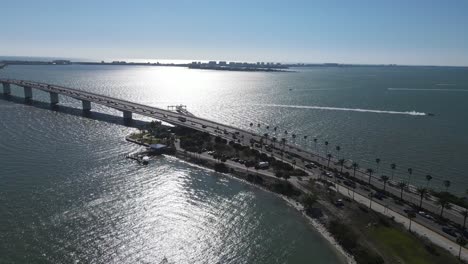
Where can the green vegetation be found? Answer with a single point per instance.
(198, 142)
(371, 237)
(221, 167)
(194, 141)
(154, 133)
(406, 247)
(285, 188)
(309, 200)
(348, 240)
(451, 198)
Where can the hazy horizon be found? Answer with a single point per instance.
(166, 60)
(357, 32)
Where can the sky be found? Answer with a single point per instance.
(413, 32)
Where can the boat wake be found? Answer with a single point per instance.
(428, 90)
(413, 113)
(446, 84)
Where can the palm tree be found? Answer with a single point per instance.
(338, 148)
(377, 160)
(411, 215)
(393, 167)
(428, 179)
(326, 147)
(370, 171)
(267, 137)
(410, 172)
(447, 185)
(422, 194)
(384, 179)
(402, 186)
(283, 141)
(315, 143)
(355, 166)
(251, 124)
(444, 203)
(341, 162)
(465, 215)
(461, 241)
(371, 196)
(329, 157)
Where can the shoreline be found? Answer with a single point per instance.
(317, 226)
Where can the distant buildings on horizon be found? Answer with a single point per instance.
(216, 65)
(234, 65)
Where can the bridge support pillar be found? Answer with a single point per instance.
(54, 98)
(27, 93)
(6, 89)
(86, 105)
(127, 115)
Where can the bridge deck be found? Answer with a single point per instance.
(123, 105)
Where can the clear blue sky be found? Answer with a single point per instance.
(346, 31)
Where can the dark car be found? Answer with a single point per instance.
(406, 210)
(379, 195)
(449, 231)
(339, 203)
(350, 184)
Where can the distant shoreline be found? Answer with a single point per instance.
(242, 67)
(236, 67)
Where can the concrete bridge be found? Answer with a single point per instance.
(127, 108)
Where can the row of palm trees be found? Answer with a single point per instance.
(369, 171)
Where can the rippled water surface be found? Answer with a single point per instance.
(68, 195)
(370, 112)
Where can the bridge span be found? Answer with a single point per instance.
(127, 108)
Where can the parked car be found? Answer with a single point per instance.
(339, 203)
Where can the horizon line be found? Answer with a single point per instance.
(43, 58)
